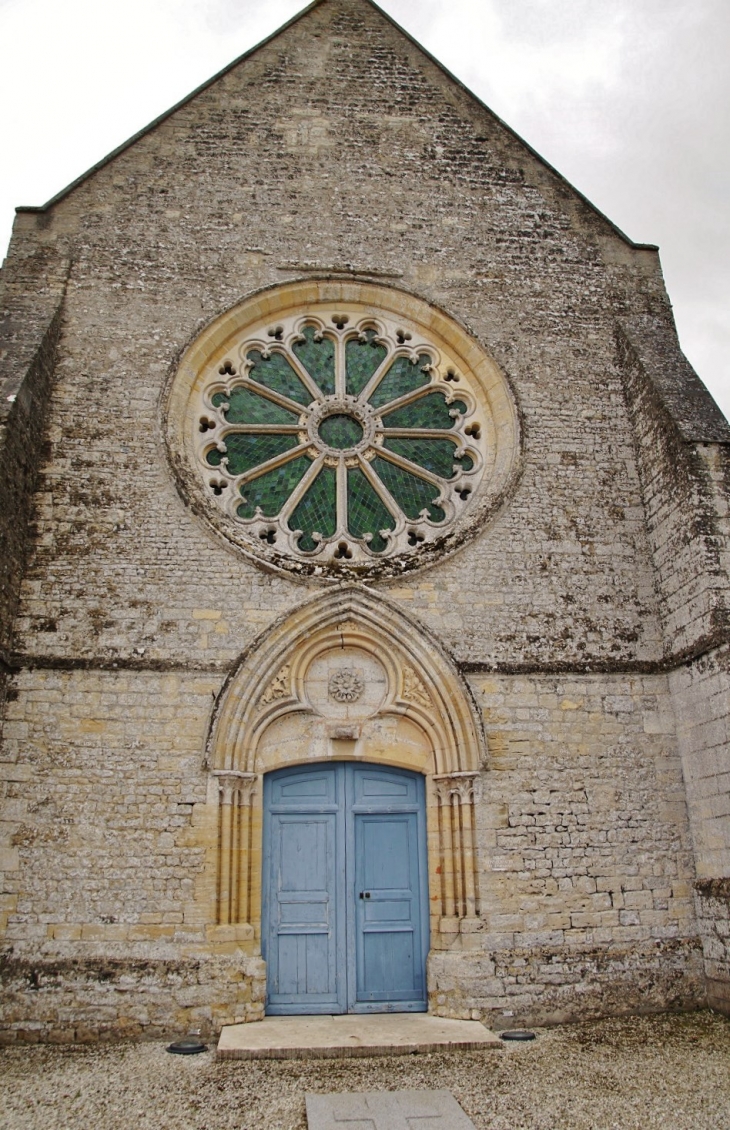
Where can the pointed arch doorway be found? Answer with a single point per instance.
(345, 890)
(345, 679)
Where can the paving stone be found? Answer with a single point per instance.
(387, 1110)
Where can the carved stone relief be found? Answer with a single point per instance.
(278, 687)
(345, 685)
(414, 690)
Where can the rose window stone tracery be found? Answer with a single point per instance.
(331, 428)
(347, 441)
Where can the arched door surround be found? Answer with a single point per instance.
(348, 677)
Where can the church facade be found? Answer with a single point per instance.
(365, 605)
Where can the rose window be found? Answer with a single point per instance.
(332, 427)
(340, 441)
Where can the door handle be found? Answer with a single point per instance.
(364, 894)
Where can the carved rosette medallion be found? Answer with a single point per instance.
(345, 685)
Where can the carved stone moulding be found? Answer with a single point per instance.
(348, 675)
(341, 428)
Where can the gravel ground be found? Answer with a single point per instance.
(669, 1072)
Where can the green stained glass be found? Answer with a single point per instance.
(366, 512)
(270, 491)
(340, 431)
(318, 358)
(317, 511)
(410, 492)
(362, 358)
(435, 455)
(429, 411)
(403, 376)
(247, 451)
(247, 407)
(276, 373)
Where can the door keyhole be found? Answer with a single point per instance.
(364, 894)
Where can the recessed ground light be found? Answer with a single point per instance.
(517, 1034)
(189, 1045)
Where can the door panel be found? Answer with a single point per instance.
(387, 968)
(381, 786)
(389, 965)
(302, 936)
(331, 834)
(302, 894)
(303, 786)
(371, 786)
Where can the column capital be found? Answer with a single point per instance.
(464, 784)
(234, 786)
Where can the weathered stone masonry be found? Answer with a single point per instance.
(583, 628)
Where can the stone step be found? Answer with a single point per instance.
(321, 1037)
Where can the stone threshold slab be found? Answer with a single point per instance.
(322, 1037)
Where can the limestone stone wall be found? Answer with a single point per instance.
(104, 773)
(585, 862)
(109, 873)
(32, 284)
(249, 185)
(99, 994)
(587, 883)
(25, 390)
(585, 835)
(686, 490)
(702, 697)
(339, 151)
(713, 916)
(684, 472)
(701, 693)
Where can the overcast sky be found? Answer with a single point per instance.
(629, 99)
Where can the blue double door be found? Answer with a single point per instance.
(345, 895)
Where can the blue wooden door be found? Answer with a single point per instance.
(386, 843)
(303, 935)
(344, 924)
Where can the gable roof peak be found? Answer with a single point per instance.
(301, 17)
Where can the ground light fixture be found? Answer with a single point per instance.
(188, 1045)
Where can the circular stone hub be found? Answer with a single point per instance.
(340, 432)
(340, 426)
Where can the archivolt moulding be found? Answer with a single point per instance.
(408, 707)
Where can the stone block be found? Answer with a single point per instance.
(390, 1110)
(9, 859)
(65, 931)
